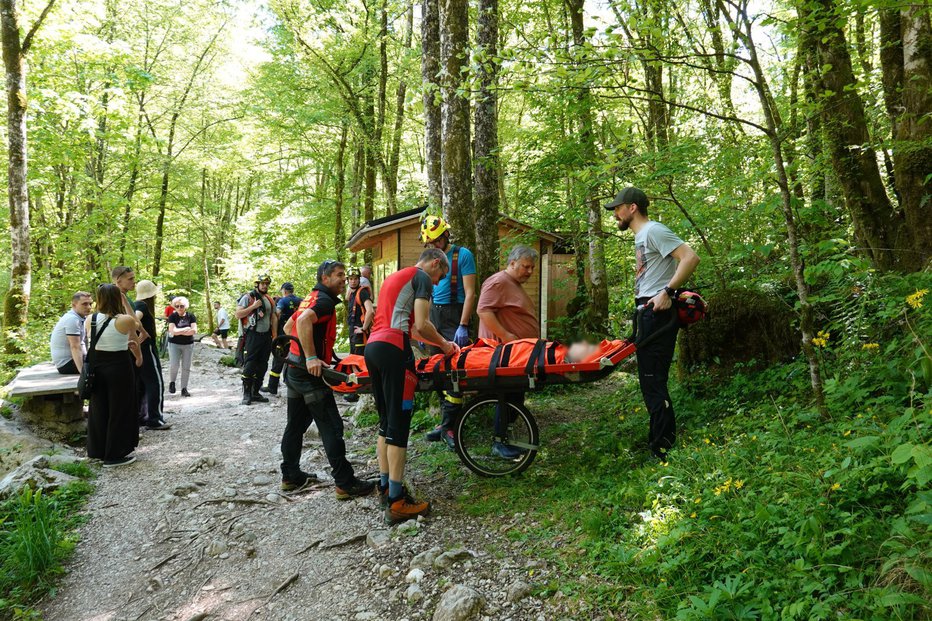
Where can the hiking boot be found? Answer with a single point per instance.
(247, 392)
(450, 439)
(269, 389)
(355, 489)
(436, 435)
(351, 397)
(185, 393)
(116, 463)
(383, 495)
(405, 508)
(158, 426)
(171, 387)
(257, 398)
(506, 451)
(299, 482)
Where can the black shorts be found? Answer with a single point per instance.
(393, 382)
(222, 333)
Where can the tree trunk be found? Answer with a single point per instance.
(912, 151)
(16, 302)
(430, 70)
(455, 168)
(131, 190)
(597, 313)
(205, 252)
(163, 198)
(339, 240)
(878, 228)
(773, 123)
(487, 159)
(391, 179)
(382, 104)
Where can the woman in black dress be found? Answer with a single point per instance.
(112, 427)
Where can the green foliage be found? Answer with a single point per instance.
(764, 510)
(38, 535)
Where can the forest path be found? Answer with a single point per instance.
(197, 526)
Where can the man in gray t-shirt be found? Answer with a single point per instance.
(68, 340)
(664, 262)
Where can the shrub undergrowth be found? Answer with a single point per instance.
(764, 510)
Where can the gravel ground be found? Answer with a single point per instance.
(197, 529)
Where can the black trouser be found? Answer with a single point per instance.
(653, 372)
(310, 400)
(275, 374)
(69, 368)
(446, 318)
(387, 367)
(153, 387)
(256, 356)
(357, 342)
(502, 422)
(112, 427)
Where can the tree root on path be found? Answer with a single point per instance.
(242, 501)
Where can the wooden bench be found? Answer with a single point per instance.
(50, 401)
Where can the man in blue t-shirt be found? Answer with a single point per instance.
(452, 307)
(285, 307)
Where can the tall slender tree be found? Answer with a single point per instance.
(487, 158)
(16, 302)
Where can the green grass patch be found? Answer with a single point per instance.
(228, 360)
(763, 511)
(38, 535)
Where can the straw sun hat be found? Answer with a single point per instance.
(146, 289)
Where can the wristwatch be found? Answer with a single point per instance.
(671, 292)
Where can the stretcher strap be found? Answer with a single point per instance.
(542, 361)
(461, 361)
(538, 355)
(506, 355)
(552, 352)
(494, 362)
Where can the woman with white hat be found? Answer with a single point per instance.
(152, 397)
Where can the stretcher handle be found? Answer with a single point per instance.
(281, 346)
(636, 338)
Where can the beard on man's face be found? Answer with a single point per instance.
(623, 225)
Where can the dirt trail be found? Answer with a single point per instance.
(197, 527)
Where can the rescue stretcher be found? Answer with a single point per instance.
(489, 372)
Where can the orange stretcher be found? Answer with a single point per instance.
(488, 366)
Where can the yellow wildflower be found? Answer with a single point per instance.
(847, 433)
(870, 346)
(915, 300)
(707, 441)
(693, 514)
(836, 486)
(697, 500)
(739, 484)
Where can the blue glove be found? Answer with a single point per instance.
(461, 337)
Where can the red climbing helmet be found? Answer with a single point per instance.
(690, 306)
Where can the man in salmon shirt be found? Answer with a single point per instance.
(402, 314)
(506, 313)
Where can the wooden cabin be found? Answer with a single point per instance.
(395, 242)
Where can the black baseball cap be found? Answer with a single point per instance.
(627, 196)
(287, 286)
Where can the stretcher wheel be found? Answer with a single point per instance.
(482, 425)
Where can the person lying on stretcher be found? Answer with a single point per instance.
(513, 354)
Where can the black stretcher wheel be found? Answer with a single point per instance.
(476, 432)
